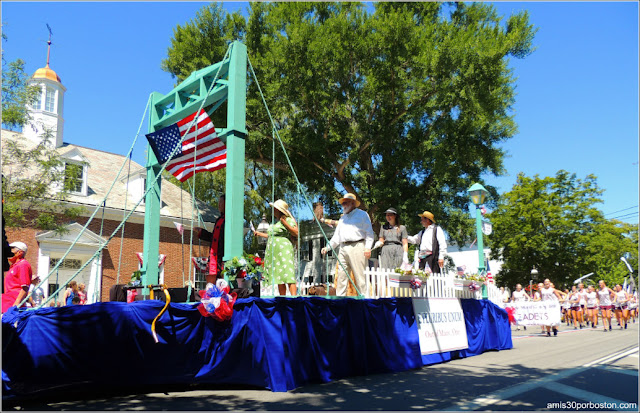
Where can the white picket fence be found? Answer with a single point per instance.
(384, 283)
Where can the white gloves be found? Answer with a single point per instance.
(405, 257)
(324, 250)
(378, 244)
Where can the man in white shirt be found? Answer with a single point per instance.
(354, 235)
(37, 294)
(432, 245)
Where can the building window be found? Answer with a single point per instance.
(323, 243)
(201, 270)
(52, 289)
(67, 263)
(74, 178)
(306, 250)
(50, 100)
(37, 104)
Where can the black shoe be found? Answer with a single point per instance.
(525, 327)
(625, 326)
(609, 328)
(555, 331)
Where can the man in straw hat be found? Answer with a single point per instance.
(354, 235)
(432, 245)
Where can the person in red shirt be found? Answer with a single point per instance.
(18, 278)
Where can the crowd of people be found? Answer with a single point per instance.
(355, 237)
(583, 307)
(19, 283)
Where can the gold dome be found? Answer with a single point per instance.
(46, 73)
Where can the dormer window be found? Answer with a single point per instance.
(75, 178)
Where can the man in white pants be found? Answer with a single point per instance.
(354, 235)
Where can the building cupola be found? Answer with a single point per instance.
(47, 111)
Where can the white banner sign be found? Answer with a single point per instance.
(536, 313)
(441, 325)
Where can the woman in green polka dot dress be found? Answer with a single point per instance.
(279, 263)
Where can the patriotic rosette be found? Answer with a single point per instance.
(216, 301)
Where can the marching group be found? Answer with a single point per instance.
(583, 307)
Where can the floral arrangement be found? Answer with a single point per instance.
(216, 302)
(419, 275)
(248, 267)
(474, 286)
(476, 277)
(136, 279)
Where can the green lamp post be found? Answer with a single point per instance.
(478, 194)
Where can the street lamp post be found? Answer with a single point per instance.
(534, 277)
(478, 193)
(263, 227)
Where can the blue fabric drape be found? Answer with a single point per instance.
(279, 343)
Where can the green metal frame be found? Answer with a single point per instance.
(185, 99)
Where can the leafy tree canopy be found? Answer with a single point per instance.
(404, 107)
(553, 224)
(28, 171)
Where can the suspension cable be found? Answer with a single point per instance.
(294, 172)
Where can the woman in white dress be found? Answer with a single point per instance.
(548, 293)
(519, 295)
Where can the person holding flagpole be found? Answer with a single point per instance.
(216, 238)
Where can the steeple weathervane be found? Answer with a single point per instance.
(48, 44)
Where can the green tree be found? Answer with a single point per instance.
(16, 95)
(405, 106)
(29, 174)
(553, 224)
(31, 195)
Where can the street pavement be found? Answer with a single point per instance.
(584, 369)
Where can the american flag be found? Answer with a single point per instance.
(489, 275)
(210, 152)
(461, 269)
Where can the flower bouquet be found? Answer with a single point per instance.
(416, 275)
(216, 302)
(245, 270)
(248, 267)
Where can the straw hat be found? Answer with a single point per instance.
(351, 197)
(428, 215)
(281, 206)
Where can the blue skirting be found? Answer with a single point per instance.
(277, 343)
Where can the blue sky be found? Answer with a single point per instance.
(576, 104)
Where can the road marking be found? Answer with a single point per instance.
(612, 357)
(550, 380)
(492, 398)
(582, 394)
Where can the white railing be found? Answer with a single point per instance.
(384, 283)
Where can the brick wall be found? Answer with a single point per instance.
(170, 245)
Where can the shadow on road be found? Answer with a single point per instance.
(428, 388)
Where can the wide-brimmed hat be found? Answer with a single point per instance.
(391, 211)
(351, 197)
(428, 215)
(281, 206)
(19, 245)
